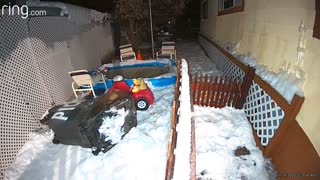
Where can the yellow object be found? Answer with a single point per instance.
(138, 84)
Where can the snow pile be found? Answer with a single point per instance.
(38, 142)
(182, 152)
(111, 126)
(219, 132)
(76, 14)
(141, 154)
(199, 62)
(287, 82)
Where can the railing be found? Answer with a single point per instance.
(267, 111)
(219, 91)
(215, 91)
(175, 117)
(271, 117)
(174, 134)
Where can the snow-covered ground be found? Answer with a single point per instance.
(219, 132)
(142, 153)
(199, 62)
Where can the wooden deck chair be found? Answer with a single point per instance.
(127, 53)
(82, 78)
(167, 50)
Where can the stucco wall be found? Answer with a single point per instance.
(268, 29)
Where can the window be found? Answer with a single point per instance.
(230, 6)
(204, 10)
(316, 27)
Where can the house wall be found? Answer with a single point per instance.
(268, 29)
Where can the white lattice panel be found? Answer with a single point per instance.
(23, 98)
(88, 42)
(228, 68)
(263, 113)
(34, 62)
(223, 63)
(89, 48)
(49, 37)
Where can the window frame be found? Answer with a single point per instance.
(234, 9)
(316, 26)
(204, 10)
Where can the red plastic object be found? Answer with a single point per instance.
(139, 56)
(120, 86)
(143, 99)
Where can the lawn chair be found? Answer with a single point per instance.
(127, 53)
(82, 78)
(167, 50)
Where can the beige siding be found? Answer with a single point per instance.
(268, 29)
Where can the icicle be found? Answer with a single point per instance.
(301, 45)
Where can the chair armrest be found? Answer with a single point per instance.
(74, 85)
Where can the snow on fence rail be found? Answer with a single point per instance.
(268, 112)
(181, 155)
(173, 133)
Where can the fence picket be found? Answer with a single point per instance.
(214, 91)
(223, 91)
(232, 92)
(204, 90)
(226, 93)
(194, 86)
(237, 97)
(199, 90)
(210, 92)
(220, 90)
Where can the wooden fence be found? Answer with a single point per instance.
(174, 121)
(290, 153)
(173, 135)
(219, 91)
(289, 147)
(215, 91)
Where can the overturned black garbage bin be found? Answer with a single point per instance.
(95, 123)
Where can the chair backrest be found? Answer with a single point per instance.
(81, 77)
(167, 47)
(126, 52)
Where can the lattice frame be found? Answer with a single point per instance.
(49, 40)
(223, 63)
(22, 101)
(228, 68)
(34, 62)
(263, 113)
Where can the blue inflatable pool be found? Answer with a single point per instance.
(156, 73)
